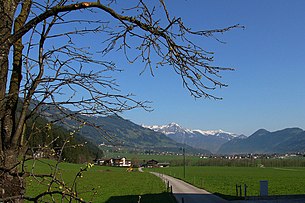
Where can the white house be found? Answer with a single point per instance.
(122, 162)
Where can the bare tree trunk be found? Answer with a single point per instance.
(11, 185)
(6, 22)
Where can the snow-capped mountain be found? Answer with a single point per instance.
(174, 128)
(171, 128)
(204, 139)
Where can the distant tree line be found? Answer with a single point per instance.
(273, 162)
(47, 140)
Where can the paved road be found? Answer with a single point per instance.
(301, 200)
(187, 193)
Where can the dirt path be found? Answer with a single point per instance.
(187, 193)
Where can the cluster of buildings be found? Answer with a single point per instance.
(124, 162)
(120, 162)
(155, 164)
(254, 156)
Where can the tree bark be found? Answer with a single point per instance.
(11, 185)
(7, 9)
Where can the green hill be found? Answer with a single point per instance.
(289, 140)
(117, 131)
(43, 137)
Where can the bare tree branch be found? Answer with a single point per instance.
(59, 70)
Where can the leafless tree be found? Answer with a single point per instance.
(46, 59)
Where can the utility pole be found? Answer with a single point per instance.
(183, 161)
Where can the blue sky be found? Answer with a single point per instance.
(266, 90)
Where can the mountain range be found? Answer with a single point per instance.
(211, 140)
(118, 131)
(289, 140)
(126, 134)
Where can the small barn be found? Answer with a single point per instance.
(151, 163)
(163, 165)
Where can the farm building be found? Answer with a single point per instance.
(102, 162)
(163, 165)
(121, 162)
(155, 164)
(151, 163)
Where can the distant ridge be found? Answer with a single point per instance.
(203, 139)
(119, 132)
(173, 137)
(133, 136)
(289, 140)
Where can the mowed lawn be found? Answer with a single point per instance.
(110, 184)
(223, 180)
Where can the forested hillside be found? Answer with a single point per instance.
(51, 139)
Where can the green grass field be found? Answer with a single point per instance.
(111, 184)
(174, 160)
(222, 180)
(141, 157)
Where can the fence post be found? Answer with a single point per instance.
(240, 190)
(245, 191)
(167, 186)
(236, 190)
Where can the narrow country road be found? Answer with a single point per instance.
(187, 193)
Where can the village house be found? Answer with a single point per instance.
(155, 164)
(163, 165)
(120, 162)
(102, 162)
(151, 164)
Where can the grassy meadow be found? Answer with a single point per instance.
(194, 160)
(114, 184)
(101, 184)
(174, 160)
(146, 157)
(223, 180)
